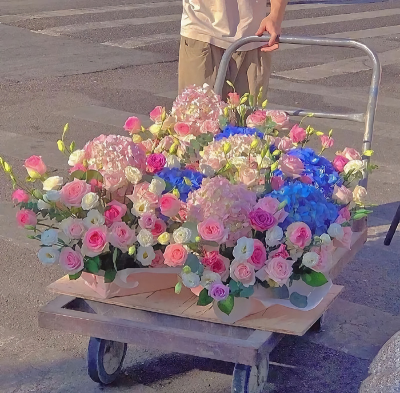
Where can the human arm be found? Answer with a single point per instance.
(272, 24)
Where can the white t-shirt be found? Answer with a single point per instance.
(221, 22)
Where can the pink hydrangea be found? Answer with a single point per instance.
(229, 203)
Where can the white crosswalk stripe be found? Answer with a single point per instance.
(158, 17)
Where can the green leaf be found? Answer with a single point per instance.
(193, 262)
(78, 175)
(92, 265)
(178, 288)
(234, 286)
(314, 279)
(72, 146)
(264, 284)
(247, 291)
(251, 100)
(281, 292)
(226, 306)
(75, 276)
(109, 275)
(204, 298)
(298, 300)
(114, 257)
(92, 174)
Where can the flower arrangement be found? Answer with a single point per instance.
(228, 192)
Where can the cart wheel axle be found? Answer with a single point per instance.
(250, 379)
(105, 359)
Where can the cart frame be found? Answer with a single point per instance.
(111, 327)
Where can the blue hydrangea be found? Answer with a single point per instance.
(318, 168)
(175, 178)
(232, 130)
(306, 203)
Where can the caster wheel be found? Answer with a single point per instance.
(250, 379)
(105, 359)
(318, 326)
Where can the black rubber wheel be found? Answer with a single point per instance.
(318, 326)
(105, 359)
(250, 379)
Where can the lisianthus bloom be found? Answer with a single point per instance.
(26, 217)
(19, 196)
(35, 167)
(297, 134)
(132, 125)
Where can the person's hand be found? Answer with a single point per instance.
(270, 25)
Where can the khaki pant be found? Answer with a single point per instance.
(199, 61)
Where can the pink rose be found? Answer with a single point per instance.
(156, 162)
(299, 233)
(325, 258)
(345, 213)
(281, 118)
(158, 260)
(71, 260)
(94, 241)
(73, 228)
(243, 272)
(339, 163)
(26, 217)
(159, 227)
(297, 134)
(175, 255)
(256, 119)
(73, 192)
(291, 166)
(182, 129)
(280, 252)
(267, 204)
(326, 141)
(35, 166)
(114, 180)
(259, 255)
(351, 154)
(132, 125)
(209, 258)
(211, 126)
(147, 220)
(121, 236)
(19, 196)
(234, 99)
(248, 176)
(279, 269)
(146, 145)
(78, 167)
(261, 220)
(306, 179)
(342, 195)
(276, 183)
(218, 291)
(114, 212)
(212, 230)
(166, 143)
(157, 114)
(283, 144)
(170, 205)
(220, 265)
(345, 241)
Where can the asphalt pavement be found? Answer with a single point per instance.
(92, 63)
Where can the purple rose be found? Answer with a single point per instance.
(155, 162)
(261, 220)
(218, 291)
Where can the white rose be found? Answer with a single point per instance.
(76, 157)
(157, 185)
(206, 170)
(133, 175)
(182, 235)
(335, 230)
(90, 201)
(295, 253)
(359, 194)
(140, 207)
(93, 218)
(208, 278)
(53, 183)
(145, 255)
(273, 236)
(173, 161)
(145, 238)
(325, 238)
(355, 166)
(190, 280)
(49, 237)
(42, 205)
(310, 259)
(48, 255)
(244, 249)
(51, 196)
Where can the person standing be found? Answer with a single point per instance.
(209, 26)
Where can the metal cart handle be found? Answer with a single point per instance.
(368, 117)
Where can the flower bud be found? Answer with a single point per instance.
(186, 269)
(254, 144)
(227, 147)
(187, 181)
(37, 194)
(131, 250)
(173, 148)
(136, 138)
(176, 192)
(61, 146)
